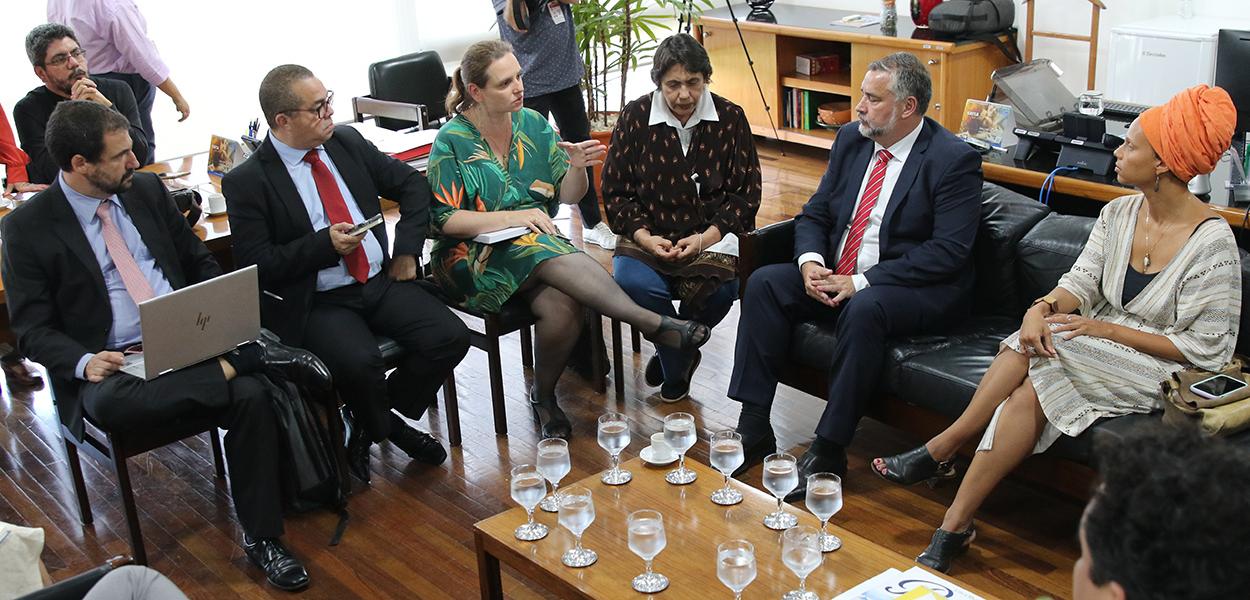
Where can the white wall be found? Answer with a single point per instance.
(219, 51)
(1071, 16)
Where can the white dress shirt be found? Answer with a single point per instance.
(870, 247)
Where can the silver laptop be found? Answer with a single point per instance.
(196, 323)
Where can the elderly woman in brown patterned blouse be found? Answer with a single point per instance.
(681, 179)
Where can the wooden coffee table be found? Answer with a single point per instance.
(694, 527)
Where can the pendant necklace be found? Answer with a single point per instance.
(1145, 261)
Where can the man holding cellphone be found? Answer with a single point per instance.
(331, 288)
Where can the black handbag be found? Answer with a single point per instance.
(189, 204)
(311, 474)
(963, 18)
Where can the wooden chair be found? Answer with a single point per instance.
(391, 352)
(115, 448)
(618, 359)
(515, 316)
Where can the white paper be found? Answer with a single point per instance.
(893, 583)
(858, 20)
(394, 142)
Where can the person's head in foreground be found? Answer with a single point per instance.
(1170, 144)
(488, 79)
(297, 107)
(1170, 520)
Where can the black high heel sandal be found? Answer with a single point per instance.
(693, 334)
(914, 466)
(550, 417)
(945, 546)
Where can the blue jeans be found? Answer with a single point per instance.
(650, 290)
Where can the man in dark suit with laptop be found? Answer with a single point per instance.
(80, 257)
(293, 206)
(881, 250)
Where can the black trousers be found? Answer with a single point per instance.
(145, 95)
(200, 392)
(569, 109)
(775, 301)
(341, 329)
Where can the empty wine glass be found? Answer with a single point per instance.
(554, 464)
(614, 437)
(824, 499)
(800, 550)
(528, 487)
(680, 434)
(577, 512)
(725, 454)
(735, 565)
(781, 476)
(646, 539)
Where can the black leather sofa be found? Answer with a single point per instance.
(1022, 249)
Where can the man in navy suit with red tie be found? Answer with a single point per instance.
(881, 250)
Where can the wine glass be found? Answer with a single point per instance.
(577, 512)
(781, 476)
(614, 437)
(528, 487)
(735, 565)
(726, 455)
(680, 434)
(824, 499)
(553, 462)
(646, 539)
(800, 550)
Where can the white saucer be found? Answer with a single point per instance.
(645, 455)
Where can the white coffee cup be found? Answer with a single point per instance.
(660, 450)
(215, 203)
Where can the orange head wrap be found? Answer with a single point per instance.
(1192, 130)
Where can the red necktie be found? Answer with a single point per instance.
(336, 212)
(850, 252)
(136, 284)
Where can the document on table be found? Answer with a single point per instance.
(913, 584)
(858, 20)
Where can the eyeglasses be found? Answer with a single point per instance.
(77, 54)
(321, 109)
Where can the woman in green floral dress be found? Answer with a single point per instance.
(497, 165)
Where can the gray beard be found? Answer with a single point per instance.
(873, 133)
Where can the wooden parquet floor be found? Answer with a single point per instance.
(411, 532)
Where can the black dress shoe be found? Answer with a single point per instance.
(754, 450)
(810, 463)
(913, 466)
(418, 444)
(654, 375)
(552, 420)
(281, 568)
(944, 547)
(358, 445)
(299, 365)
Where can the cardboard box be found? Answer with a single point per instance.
(817, 64)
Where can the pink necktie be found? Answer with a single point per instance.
(850, 252)
(136, 284)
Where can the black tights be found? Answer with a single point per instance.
(557, 290)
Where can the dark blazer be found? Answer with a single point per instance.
(931, 220)
(30, 117)
(270, 228)
(58, 304)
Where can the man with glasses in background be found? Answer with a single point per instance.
(329, 289)
(61, 65)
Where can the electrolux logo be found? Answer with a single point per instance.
(1153, 54)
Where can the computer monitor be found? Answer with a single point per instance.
(1232, 72)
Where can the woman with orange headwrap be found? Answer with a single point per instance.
(1156, 288)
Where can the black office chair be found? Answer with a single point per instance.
(418, 78)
